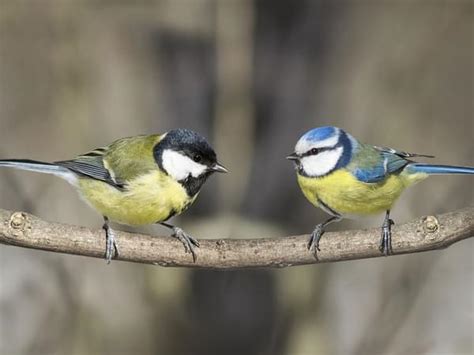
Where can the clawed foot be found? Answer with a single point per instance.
(111, 249)
(385, 246)
(313, 244)
(189, 242)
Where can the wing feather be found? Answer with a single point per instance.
(122, 161)
(401, 153)
(383, 162)
(93, 167)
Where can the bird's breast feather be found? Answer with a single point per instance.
(147, 199)
(345, 194)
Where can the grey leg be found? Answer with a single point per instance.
(385, 246)
(111, 249)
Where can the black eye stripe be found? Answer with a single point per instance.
(318, 150)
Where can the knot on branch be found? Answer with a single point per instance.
(19, 224)
(430, 224)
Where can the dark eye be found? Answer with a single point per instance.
(314, 151)
(197, 158)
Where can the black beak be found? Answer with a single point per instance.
(218, 168)
(293, 156)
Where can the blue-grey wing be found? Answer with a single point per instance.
(389, 161)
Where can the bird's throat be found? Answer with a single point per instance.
(193, 185)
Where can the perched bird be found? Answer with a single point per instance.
(345, 177)
(138, 180)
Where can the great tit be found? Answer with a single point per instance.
(138, 180)
(345, 177)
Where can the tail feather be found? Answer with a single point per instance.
(439, 169)
(40, 167)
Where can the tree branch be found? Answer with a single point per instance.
(427, 233)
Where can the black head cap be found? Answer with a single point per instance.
(189, 143)
(195, 147)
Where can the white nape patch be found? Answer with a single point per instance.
(304, 145)
(322, 163)
(179, 166)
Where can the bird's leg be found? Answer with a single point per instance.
(313, 244)
(189, 242)
(111, 249)
(385, 246)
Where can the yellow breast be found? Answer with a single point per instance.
(148, 199)
(342, 192)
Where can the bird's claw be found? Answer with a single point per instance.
(385, 246)
(189, 242)
(111, 249)
(313, 244)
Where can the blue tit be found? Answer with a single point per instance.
(345, 177)
(138, 180)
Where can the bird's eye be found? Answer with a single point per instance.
(197, 158)
(314, 151)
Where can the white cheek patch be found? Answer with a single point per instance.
(305, 145)
(322, 163)
(180, 166)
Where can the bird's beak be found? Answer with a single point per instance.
(218, 168)
(293, 156)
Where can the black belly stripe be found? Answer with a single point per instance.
(328, 209)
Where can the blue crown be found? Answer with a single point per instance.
(320, 133)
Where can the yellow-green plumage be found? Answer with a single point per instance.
(150, 195)
(342, 192)
(148, 199)
(120, 158)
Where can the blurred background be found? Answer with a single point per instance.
(252, 76)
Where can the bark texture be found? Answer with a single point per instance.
(427, 233)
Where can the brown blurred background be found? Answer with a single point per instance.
(252, 76)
